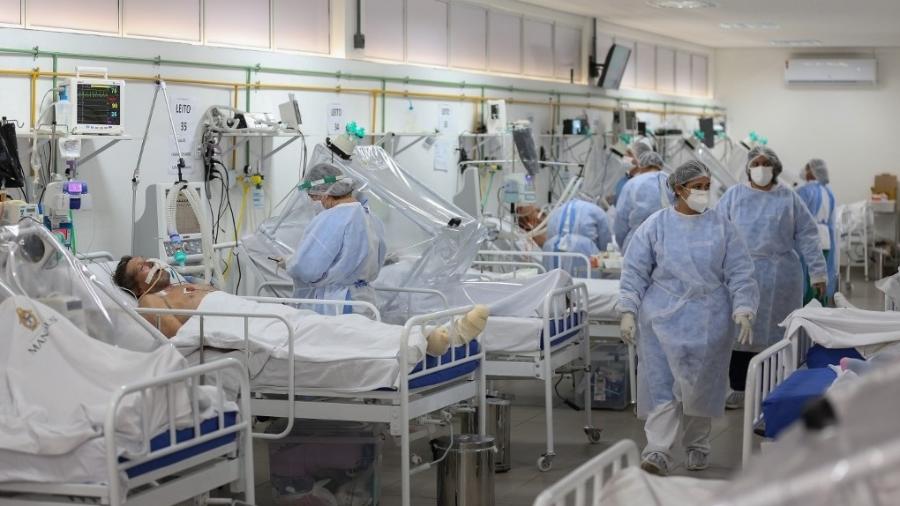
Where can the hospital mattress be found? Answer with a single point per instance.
(818, 356)
(87, 463)
(603, 294)
(508, 334)
(349, 376)
(785, 404)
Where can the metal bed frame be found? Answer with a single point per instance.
(539, 365)
(396, 408)
(768, 369)
(600, 329)
(587, 480)
(176, 482)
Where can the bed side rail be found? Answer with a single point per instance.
(245, 320)
(578, 258)
(514, 265)
(766, 371)
(586, 483)
(565, 310)
(412, 292)
(272, 286)
(93, 256)
(190, 379)
(458, 355)
(375, 314)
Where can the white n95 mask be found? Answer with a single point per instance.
(762, 175)
(698, 200)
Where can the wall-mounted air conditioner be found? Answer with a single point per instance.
(830, 71)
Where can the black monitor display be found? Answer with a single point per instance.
(99, 104)
(709, 132)
(614, 67)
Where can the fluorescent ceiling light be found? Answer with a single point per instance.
(741, 25)
(681, 4)
(796, 43)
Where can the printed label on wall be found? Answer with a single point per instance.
(184, 114)
(445, 115)
(335, 120)
(442, 150)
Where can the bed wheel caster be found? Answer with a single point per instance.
(545, 462)
(593, 434)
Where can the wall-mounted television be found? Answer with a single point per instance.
(614, 67)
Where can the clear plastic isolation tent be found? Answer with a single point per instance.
(431, 241)
(33, 264)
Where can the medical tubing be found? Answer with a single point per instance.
(570, 190)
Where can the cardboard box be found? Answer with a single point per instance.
(887, 184)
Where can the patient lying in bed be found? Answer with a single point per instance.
(154, 289)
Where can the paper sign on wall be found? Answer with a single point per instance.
(335, 120)
(445, 115)
(184, 114)
(442, 150)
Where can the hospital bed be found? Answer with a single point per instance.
(614, 478)
(535, 348)
(515, 345)
(773, 368)
(207, 454)
(852, 457)
(603, 294)
(433, 385)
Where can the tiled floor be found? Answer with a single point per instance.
(520, 486)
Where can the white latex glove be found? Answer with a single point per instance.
(627, 328)
(744, 321)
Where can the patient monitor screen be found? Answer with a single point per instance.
(99, 104)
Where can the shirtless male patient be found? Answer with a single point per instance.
(152, 286)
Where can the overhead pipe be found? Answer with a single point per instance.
(37, 52)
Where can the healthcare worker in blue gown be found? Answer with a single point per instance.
(687, 294)
(778, 229)
(343, 247)
(578, 226)
(820, 202)
(643, 195)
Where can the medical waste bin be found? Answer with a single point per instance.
(465, 475)
(499, 413)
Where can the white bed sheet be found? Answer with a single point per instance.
(348, 353)
(350, 376)
(603, 294)
(844, 327)
(84, 464)
(632, 486)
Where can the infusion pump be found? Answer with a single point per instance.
(151, 239)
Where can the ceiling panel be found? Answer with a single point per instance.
(836, 23)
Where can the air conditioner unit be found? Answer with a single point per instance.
(830, 71)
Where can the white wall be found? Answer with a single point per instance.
(107, 225)
(851, 127)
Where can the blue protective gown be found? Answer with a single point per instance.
(820, 201)
(341, 252)
(642, 196)
(577, 226)
(776, 226)
(685, 277)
